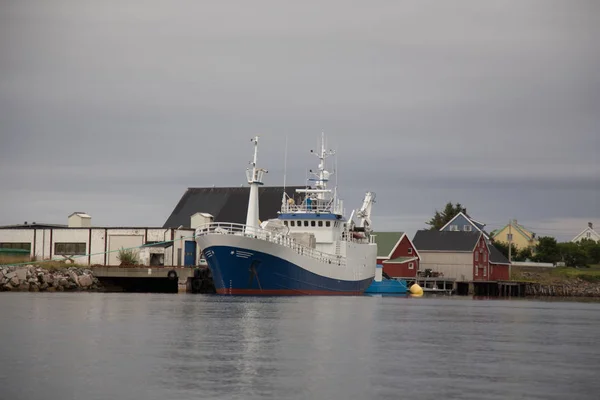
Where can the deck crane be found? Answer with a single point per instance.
(364, 214)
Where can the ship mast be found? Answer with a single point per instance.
(254, 176)
(322, 174)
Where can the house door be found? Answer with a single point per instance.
(190, 253)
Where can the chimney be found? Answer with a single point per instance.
(25, 223)
(515, 221)
(590, 225)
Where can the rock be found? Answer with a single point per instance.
(32, 281)
(21, 273)
(24, 286)
(8, 287)
(34, 288)
(14, 281)
(62, 282)
(10, 275)
(51, 289)
(85, 281)
(44, 286)
(73, 275)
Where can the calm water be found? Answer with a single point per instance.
(153, 346)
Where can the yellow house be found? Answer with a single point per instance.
(522, 237)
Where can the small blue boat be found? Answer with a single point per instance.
(384, 285)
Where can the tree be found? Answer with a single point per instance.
(547, 250)
(442, 218)
(572, 254)
(525, 254)
(516, 254)
(591, 250)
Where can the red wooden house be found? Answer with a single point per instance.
(397, 254)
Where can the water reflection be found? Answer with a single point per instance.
(132, 346)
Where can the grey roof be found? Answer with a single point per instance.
(496, 256)
(33, 225)
(434, 240)
(228, 204)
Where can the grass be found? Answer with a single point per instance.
(47, 264)
(560, 275)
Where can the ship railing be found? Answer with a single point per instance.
(225, 228)
(294, 208)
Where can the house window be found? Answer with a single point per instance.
(454, 227)
(410, 250)
(484, 257)
(321, 223)
(484, 272)
(588, 234)
(69, 249)
(312, 223)
(21, 246)
(467, 228)
(411, 266)
(476, 256)
(327, 223)
(476, 270)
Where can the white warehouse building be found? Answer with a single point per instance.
(81, 243)
(172, 244)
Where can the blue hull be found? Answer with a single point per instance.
(264, 274)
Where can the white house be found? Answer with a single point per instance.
(588, 233)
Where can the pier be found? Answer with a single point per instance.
(164, 279)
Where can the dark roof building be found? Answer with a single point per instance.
(446, 240)
(228, 204)
(496, 257)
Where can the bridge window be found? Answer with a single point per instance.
(299, 223)
(312, 223)
(285, 223)
(293, 223)
(327, 223)
(320, 223)
(305, 223)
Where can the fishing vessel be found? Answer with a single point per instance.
(309, 249)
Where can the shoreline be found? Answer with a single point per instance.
(543, 284)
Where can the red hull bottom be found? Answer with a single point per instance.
(285, 292)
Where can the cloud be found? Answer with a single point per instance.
(493, 105)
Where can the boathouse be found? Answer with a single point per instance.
(458, 255)
(397, 254)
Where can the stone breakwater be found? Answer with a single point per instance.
(576, 288)
(36, 279)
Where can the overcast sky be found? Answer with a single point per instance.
(116, 107)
